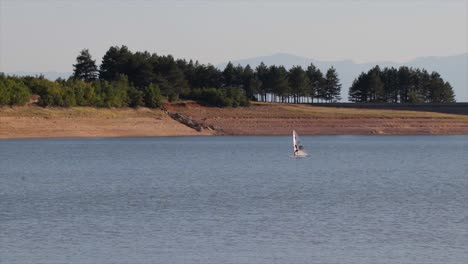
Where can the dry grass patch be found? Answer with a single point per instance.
(79, 112)
(352, 113)
(293, 111)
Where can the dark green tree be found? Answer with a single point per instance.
(375, 87)
(405, 85)
(177, 82)
(389, 77)
(139, 70)
(115, 63)
(250, 83)
(316, 81)
(299, 83)
(207, 76)
(404, 80)
(85, 68)
(278, 82)
(440, 91)
(359, 90)
(332, 86)
(229, 75)
(263, 77)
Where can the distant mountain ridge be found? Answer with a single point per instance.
(453, 69)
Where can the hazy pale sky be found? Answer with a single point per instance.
(47, 35)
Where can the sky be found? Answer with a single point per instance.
(47, 35)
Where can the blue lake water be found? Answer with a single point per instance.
(356, 199)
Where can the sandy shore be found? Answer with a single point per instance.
(259, 119)
(36, 122)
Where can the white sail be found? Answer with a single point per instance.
(297, 146)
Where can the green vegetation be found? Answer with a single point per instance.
(403, 85)
(85, 67)
(13, 91)
(128, 79)
(74, 92)
(152, 96)
(276, 84)
(230, 97)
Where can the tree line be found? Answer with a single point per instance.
(175, 78)
(131, 79)
(402, 85)
(296, 85)
(180, 78)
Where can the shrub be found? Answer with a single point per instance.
(51, 94)
(19, 94)
(13, 91)
(152, 96)
(230, 97)
(4, 93)
(173, 97)
(135, 97)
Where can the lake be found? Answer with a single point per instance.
(356, 199)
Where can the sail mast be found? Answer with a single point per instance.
(294, 142)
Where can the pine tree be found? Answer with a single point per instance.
(262, 75)
(391, 82)
(277, 81)
(316, 81)
(238, 76)
(376, 86)
(299, 82)
(440, 91)
(405, 85)
(229, 75)
(332, 86)
(404, 80)
(359, 90)
(249, 82)
(115, 63)
(85, 68)
(139, 69)
(448, 94)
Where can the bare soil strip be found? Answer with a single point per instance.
(280, 119)
(258, 119)
(37, 122)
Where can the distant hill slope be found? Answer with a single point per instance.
(453, 69)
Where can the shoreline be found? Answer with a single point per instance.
(182, 136)
(260, 119)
